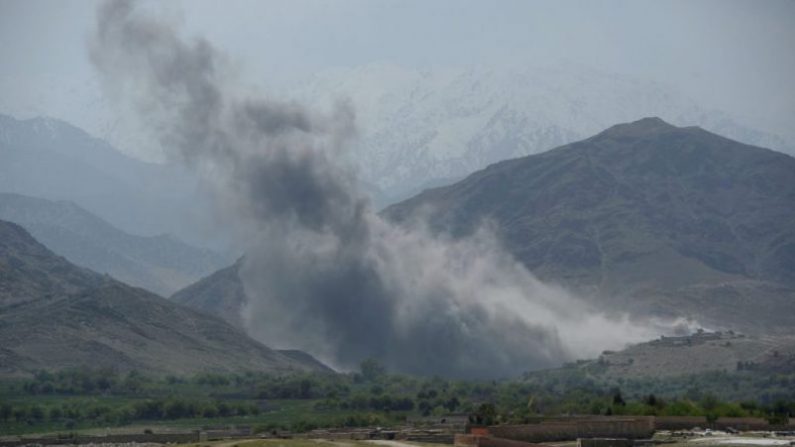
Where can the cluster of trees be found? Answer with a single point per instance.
(373, 391)
(34, 413)
(712, 395)
(364, 402)
(175, 408)
(86, 382)
(72, 413)
(736, 386)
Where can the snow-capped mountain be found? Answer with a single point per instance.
(426, 127)
(418, 128)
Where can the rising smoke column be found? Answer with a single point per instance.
(323, 272)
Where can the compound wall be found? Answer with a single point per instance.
(573, 428)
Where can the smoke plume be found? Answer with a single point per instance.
(323, 271)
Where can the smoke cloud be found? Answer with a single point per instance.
(323, 271)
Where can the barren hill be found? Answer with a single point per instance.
(54, 315)
(220, 294)
(644, 216)
(696, 353)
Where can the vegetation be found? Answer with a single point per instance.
(74, 399)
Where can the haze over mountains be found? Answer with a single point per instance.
(161, 264)
(51, 159)
(55, 315)
(421, 128)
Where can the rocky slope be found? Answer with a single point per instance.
(56, 315)
(696, 353)
(644, 217)
(220, 294)
(666, 220)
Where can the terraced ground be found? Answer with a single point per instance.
(672, 356)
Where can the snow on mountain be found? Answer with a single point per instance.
(425, 127)
(421, 127)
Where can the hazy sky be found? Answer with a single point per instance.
(733, 55)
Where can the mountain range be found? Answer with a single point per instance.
(161, 264)
(426, 127)
(55, 315)
(52, 159)
(644, 217)
(647, 216)
(416, 129)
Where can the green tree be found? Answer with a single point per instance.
(618, 399)
(20, 414)
(452, 404)
(486, 414)
(709, 402)
(305, 389)
(6, 410)
(210, 411)
(36, 413)
(372, 370)
(175, 409)
(55, 414)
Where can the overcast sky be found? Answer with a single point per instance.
(738, 56)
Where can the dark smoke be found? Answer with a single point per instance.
(323, 272)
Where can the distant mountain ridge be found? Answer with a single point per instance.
(55, 315)
(161, 264)
(416, 126)
(645, 216)
(420, 125)
(51, 159)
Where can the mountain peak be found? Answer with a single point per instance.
(650, 215)
(643, 126)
